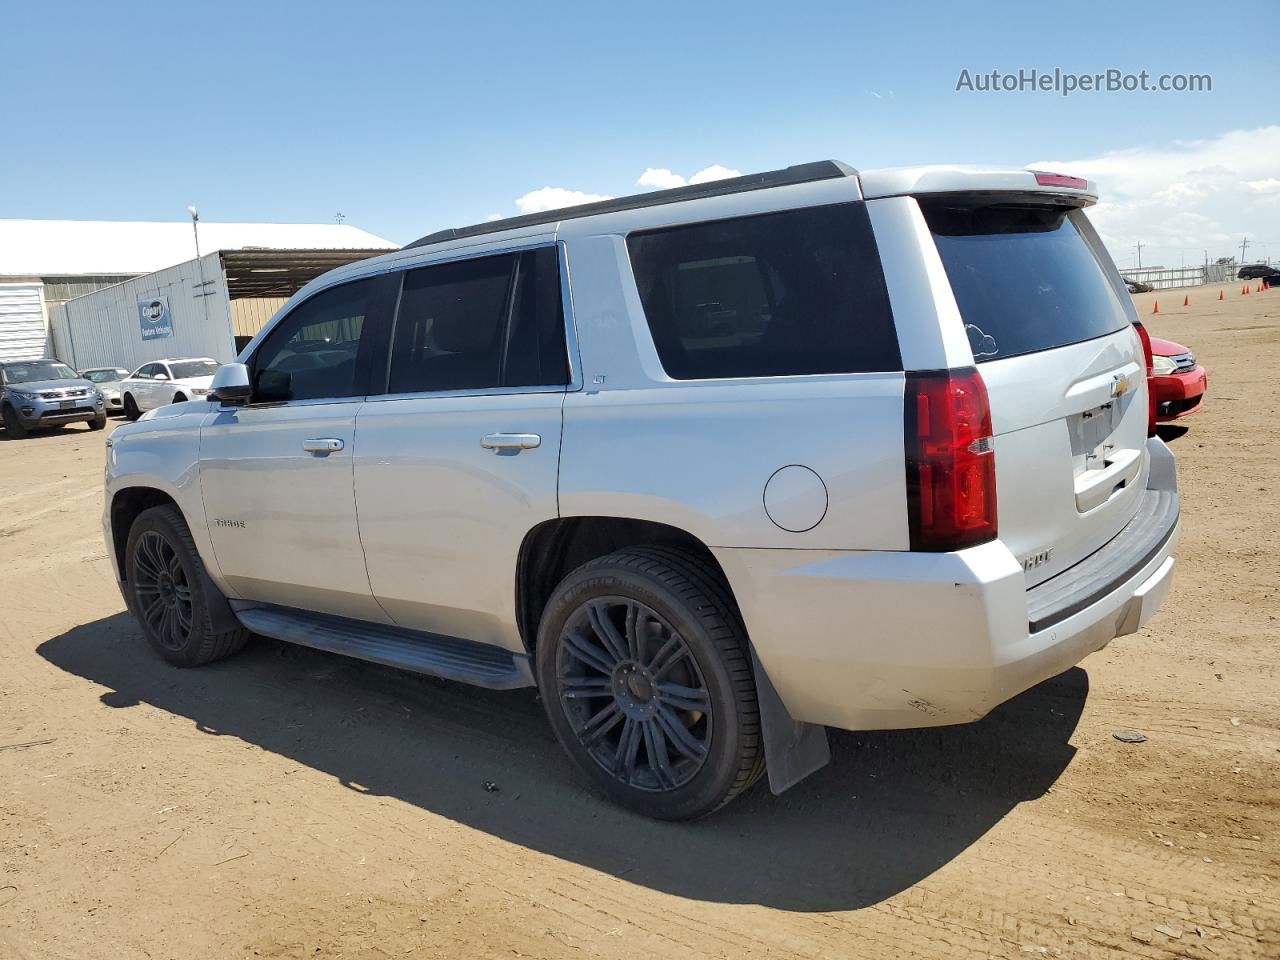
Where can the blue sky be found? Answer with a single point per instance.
(409, 117)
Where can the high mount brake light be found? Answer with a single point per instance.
(951, 468)
(1061, 180)
(1151, 394)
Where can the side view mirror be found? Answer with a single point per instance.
(161, 376)
(230, 384)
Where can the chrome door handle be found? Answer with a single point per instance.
(511, 441)
(322, 445)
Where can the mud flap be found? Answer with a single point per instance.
(792, 750)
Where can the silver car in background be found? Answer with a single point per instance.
(108, 381)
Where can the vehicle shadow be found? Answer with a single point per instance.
(892, 807)
(1170, 431)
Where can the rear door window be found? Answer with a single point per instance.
(480, 324)
(779, 294)
(1023, 276)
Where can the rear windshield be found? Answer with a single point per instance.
(778, 294)
(186, 369)
(1023, 277)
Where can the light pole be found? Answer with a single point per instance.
(204, 284)
(195, 220)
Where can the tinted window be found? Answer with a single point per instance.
(535, 345)
(148, 371)
(480, 324)
(1023, 277)
(780, 294)
(312, 353)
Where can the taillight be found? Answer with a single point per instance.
(951, 465)
(1151, 394)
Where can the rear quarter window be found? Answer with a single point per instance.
(779, 294)
(1023, 276)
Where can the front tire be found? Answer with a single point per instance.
(97, 423)
(13, 425)
(169, 591)
(645, 674)
(131, 411)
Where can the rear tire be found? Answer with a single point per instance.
(169, 591)
(13, 425)
(645, 673)
(131, 411)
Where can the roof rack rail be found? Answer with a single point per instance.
(800, 173)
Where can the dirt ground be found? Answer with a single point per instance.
(288, 803)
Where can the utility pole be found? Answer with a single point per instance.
(1244, 245)
(339, 217)
(1140, 245)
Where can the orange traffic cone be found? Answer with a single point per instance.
(1157, 308)
(1186, 301)
(1246, 289)
(1221, 295)
(1259, 290)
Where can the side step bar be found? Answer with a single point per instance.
(480, 664)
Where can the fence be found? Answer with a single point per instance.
(1163, 278)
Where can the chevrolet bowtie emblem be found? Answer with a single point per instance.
(1119, 385)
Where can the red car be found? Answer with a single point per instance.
(1178, 381)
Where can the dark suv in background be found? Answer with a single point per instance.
(1259, 271)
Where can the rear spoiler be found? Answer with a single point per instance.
(905, 181)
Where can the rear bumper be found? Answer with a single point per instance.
(884, 640)
(1180, 394)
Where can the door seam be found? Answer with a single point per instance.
(355, 506)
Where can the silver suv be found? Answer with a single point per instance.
(713, 468)
(46, 393)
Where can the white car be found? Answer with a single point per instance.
(107, 380)
(713, 468)
(162, 382)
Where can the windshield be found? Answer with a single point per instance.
(37, 370)
(1023, 276)
(105, 376)
(185, 369)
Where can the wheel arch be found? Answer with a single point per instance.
(555, 547)
(126, 506)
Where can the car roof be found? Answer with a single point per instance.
(887, 182)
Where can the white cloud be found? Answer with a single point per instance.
(553, 198)
(492, 217)
(1269, 185)
(714, 172)
(1185, 197)
(660, 178)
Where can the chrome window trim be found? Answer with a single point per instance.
(430, 259)
(276, 405)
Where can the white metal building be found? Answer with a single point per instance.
(44, 263)
(206, 307)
